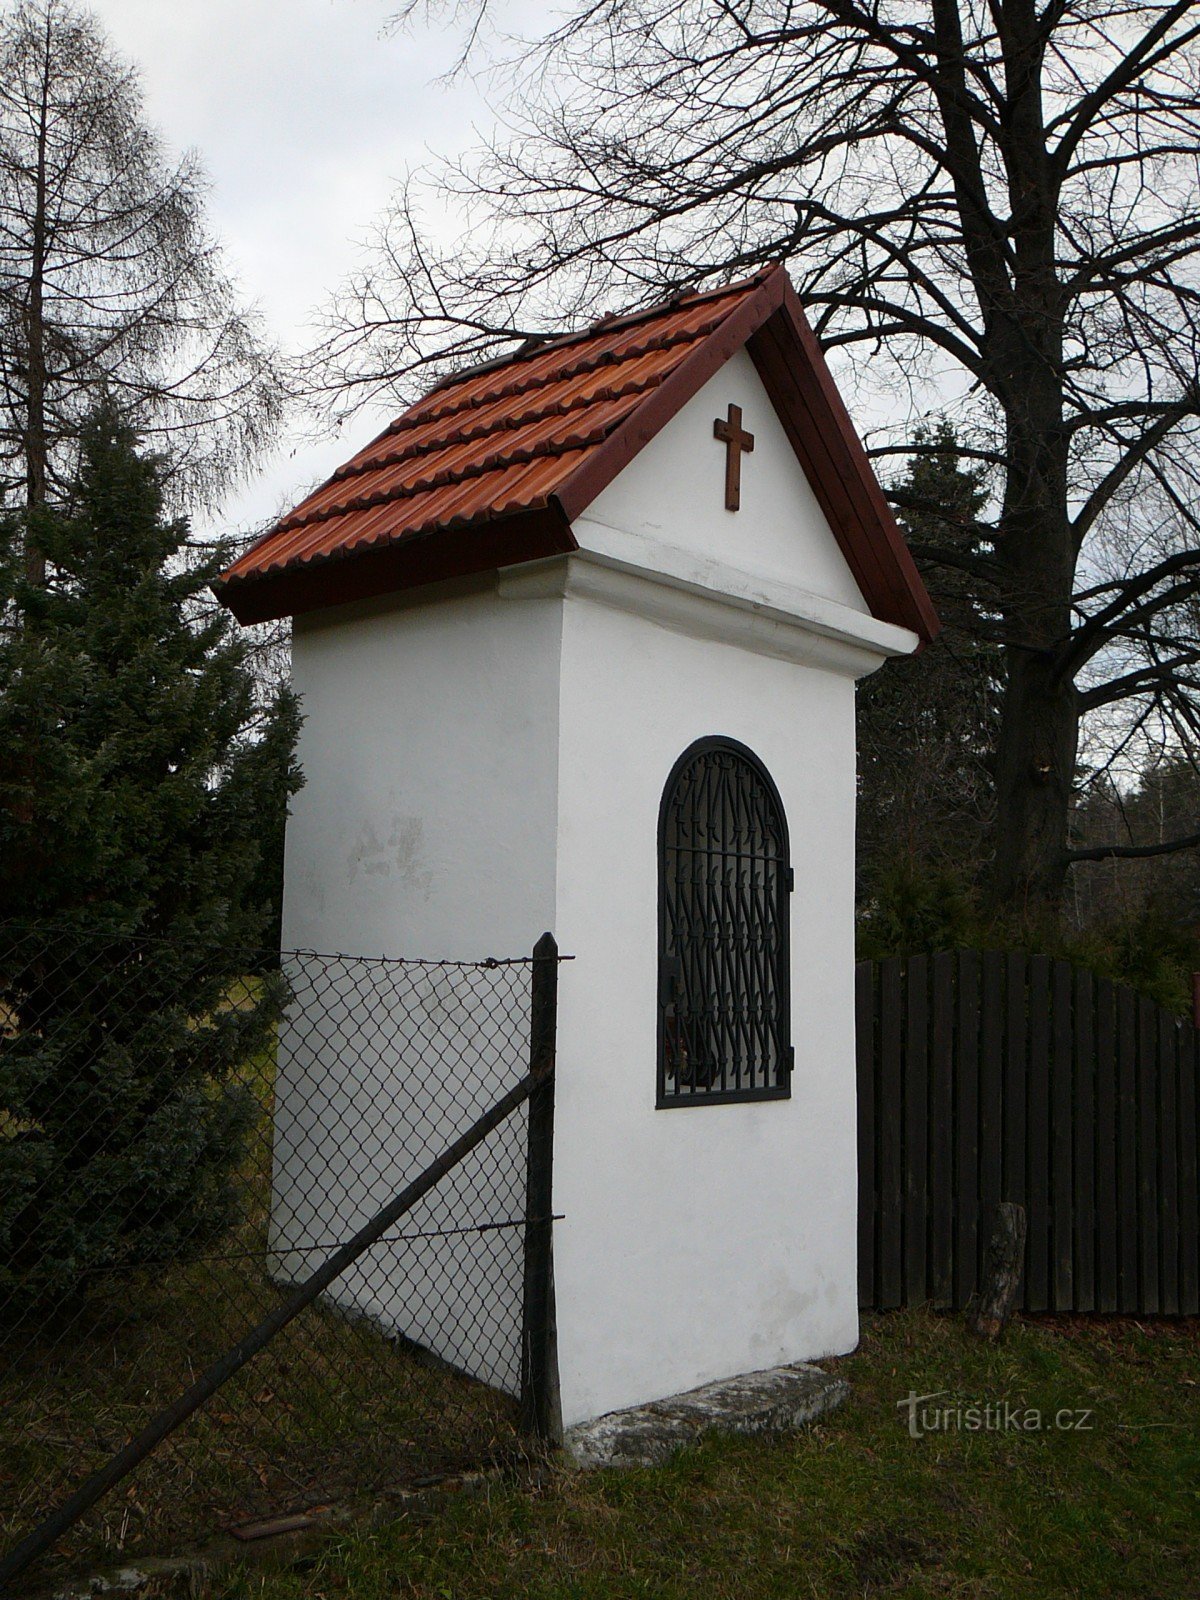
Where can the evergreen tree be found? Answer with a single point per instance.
(137, 778)
(927, 724)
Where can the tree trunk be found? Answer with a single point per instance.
(990, 1314)
(36, 448)
(1035, 767)
(1036, 554)
(35, 431)
(1039, 716)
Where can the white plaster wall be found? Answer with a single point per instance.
(695, 1242)
(430, 761)
(487, 762)
(701, 1242)
(674, 492)
(425, 828)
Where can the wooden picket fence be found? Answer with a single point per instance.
(993, 1076)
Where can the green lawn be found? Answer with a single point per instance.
(855, 1506)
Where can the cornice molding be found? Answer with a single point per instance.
(708, 600)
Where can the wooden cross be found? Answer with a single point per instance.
(735, 439)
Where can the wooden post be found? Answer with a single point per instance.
(541, 1414)
(990, 1312)
(1196, 1001)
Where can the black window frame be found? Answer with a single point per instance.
(668, 962)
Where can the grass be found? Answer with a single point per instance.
(329, 1410)
(854, 1506)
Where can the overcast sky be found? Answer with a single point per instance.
(304, 112)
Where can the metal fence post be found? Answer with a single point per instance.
(540, 1410)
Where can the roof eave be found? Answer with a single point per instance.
(411, 562)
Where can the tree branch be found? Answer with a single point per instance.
(1130, 852)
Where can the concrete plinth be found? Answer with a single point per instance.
(779, 1400)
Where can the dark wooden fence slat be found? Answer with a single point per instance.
(1062, 1136)
(1083, 1155)
(1168, 1166)
(1106, 1147)
(1189, 1188)
(996, 1077)
(991, 1092)
(1016, 984)
(868, 1206)
(941, 1126)
(1127, 1181)
(891, 1130)
(1037, 1142)
(1147, 1154)
(966, 1131)
(916, 1134)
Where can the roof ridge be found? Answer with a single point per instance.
(682, 297)
(537, 345)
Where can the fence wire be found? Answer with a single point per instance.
(186, 1132)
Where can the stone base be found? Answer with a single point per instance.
(778, 1400)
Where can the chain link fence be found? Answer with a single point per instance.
(186, 1133)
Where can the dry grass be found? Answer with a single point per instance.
(853, 1507)
(331, 1408)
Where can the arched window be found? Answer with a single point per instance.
(724, 882)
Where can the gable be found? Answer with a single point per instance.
(672, 493)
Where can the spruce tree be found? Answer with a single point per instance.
(137, 779)
(927, 724)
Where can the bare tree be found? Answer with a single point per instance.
(1160, 805)
(991, 210)
(109, 279)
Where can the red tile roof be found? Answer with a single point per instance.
(490, 467)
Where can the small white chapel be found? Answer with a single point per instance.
(577, 638)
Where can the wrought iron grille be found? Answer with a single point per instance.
(724, 879)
